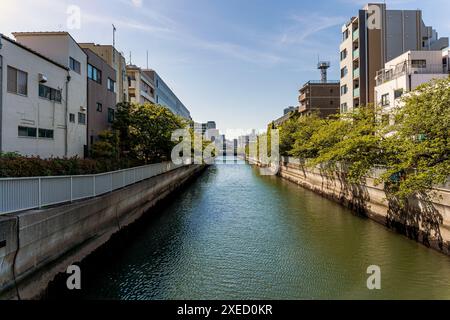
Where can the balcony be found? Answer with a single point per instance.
(356, 73)
(356, 35)
(355, 54)
(302, 97)
(356, 93)
(407, 68)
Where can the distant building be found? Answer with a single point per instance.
(288, 114)
(289, 110)
(141, 87)
(117, 61)
(101, 96)
(366, 48)
(405, 73)
(319, 97)
(166, 97)
(63, 49)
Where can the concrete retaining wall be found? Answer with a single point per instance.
(370, 199)
(37, 245)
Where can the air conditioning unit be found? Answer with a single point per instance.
(42, 78)
(83, 109)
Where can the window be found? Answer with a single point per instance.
(74, 65)
(99, 107)
(111, 85)
(344, 72)
(385, 99)
(398, 93)
(343, 54)
(46, 133)
(110, 115)
(345, 35)
(27, 132)
(50, 93)
(17, 81)
(81, 118)
(344, 108)
(419, 63)
(344, 90)
(94, 74)
(72, 117)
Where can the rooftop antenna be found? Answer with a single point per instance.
(147, 59)
(323, 66)
(130, 59)
(114, 43)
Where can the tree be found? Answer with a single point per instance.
(420, 143)
(145, 131)
(107, 146)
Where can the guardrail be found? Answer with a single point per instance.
(19, 194)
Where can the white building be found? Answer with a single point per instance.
(405, 73)
(63, 49)
(33, 103)
(141, 87)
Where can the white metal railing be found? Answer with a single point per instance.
(407, 68)
(18, 194)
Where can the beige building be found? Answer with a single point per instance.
(372, 38)
(141, 86)
(405, 73)
(61, 48)
(116, 60)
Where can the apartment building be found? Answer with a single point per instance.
(166, 97)
(117, 61)
(61, 48)
(405, 73)
(101, 92)
(141, 87)
(288, 113)
(372, 38)
(319, 97)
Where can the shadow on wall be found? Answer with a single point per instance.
(417, 217)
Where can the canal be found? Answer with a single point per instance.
(233, 234)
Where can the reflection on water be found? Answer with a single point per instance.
(236, 235)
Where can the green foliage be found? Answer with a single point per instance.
(145, 131)
(107, 146)
(415, 150)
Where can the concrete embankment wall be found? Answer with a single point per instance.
(37, 245)
(371, 200)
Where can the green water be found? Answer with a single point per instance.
(233, 234)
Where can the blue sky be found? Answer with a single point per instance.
(238, 62)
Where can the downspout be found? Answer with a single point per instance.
(66, 122)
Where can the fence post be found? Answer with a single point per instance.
(40, 193)
(111, 175)
(93, 180)
(71, 189)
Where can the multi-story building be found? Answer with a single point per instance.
(288, 114)
(319, 97)
(32, 107)
(166, 97)
(115, 59)
(101, 100)
(64, 50)
(141, 87)
(373, 37)
(405, 73)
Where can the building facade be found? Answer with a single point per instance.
(101, 94)
(63, 49)
(319, 97)
(141, 87)
(166, 97)
(373, 37)
(405, 73)
(117, 61)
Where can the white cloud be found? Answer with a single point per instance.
(137, 3)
